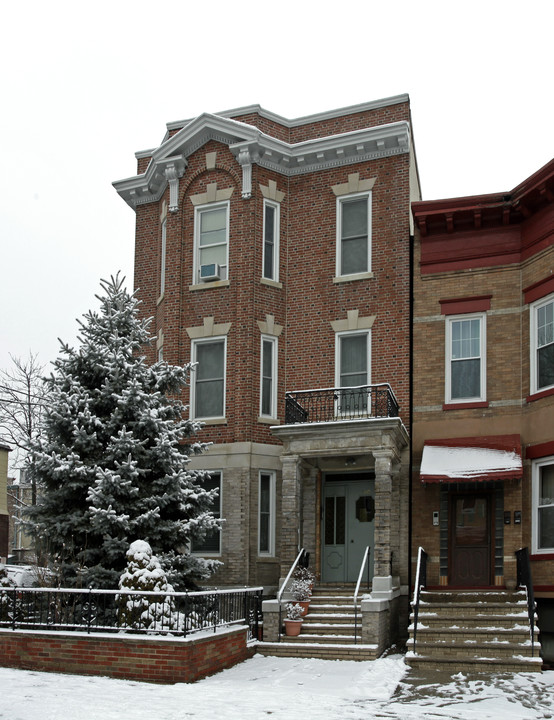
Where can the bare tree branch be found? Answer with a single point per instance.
(22, 399)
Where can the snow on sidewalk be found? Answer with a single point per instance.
(281, 688)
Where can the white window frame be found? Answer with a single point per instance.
(198, 211)
(338, 340)
(450, 320)
(341, 201)
(214, 553)
(273, 398)
(534, 309)
(194, 358)
(535, 479)
(270, 551)
(163, 253)
(276, 231)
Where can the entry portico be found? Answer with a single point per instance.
(345, 487)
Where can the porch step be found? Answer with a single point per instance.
(328, 630)
(317, 650)
(474, 631)
(322, 618)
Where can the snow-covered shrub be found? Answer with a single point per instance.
(144, 573)
(304, 573)
(300, 590)
(294, 611)
(6, 598)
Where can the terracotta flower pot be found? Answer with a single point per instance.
(304, 604)
(292, 627)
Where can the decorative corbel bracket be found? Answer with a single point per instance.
(174, 170)
(247, 155)
(245, 161)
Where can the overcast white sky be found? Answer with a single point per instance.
(86, 85)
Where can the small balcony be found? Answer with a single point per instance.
(338, 404)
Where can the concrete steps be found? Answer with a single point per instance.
(328, 630)
(474, 631)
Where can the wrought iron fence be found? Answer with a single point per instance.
(330, 404)
(173, 613)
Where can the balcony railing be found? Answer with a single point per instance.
(332, 404)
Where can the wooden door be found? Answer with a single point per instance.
(470, 539)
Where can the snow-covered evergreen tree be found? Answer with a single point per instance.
(112, 462)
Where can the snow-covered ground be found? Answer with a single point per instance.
(282, 688)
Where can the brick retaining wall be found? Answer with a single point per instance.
(159, 659)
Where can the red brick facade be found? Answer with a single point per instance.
(306, 166)
(156, 660)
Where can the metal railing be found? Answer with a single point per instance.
(365, 562)
(284, 586)
(420, 583)
(525, 580)
(332, 404)
(168, 613)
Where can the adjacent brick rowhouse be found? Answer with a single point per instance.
(157, 660)
(489, 257)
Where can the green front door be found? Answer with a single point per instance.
(348, 525)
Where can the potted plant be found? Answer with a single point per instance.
(293, 621)
(304, 573)
(301, 593)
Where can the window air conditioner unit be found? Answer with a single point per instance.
(210, 272)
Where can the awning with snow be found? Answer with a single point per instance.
(472, 459)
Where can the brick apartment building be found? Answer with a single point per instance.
(276, 254)
(483, 403)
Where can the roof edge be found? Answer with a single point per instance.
(303, 120)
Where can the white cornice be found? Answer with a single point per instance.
(304, 120)
(251, 146)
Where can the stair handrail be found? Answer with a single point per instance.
(524, 579)
(420, 583)
(362, 567)
(284, 586)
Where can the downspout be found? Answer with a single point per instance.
(410, 412)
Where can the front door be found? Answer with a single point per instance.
(470, 539)
(348, 526)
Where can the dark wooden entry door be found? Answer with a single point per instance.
(470, 539)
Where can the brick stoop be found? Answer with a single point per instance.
(328, 630)
(479, 631)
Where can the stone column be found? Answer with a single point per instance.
(383, 509)
(309, 511)
(290, 512)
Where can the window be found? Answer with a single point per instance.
(163, 252)
(354, 234)
(543, 505)
(211, 544)
(268, 377)
(208, 389)
(465, 362)
(271, 241)
(266, 513)
(211, 237)
(353, 370)
(542, 344)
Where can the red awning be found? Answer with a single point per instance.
(472, 459)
